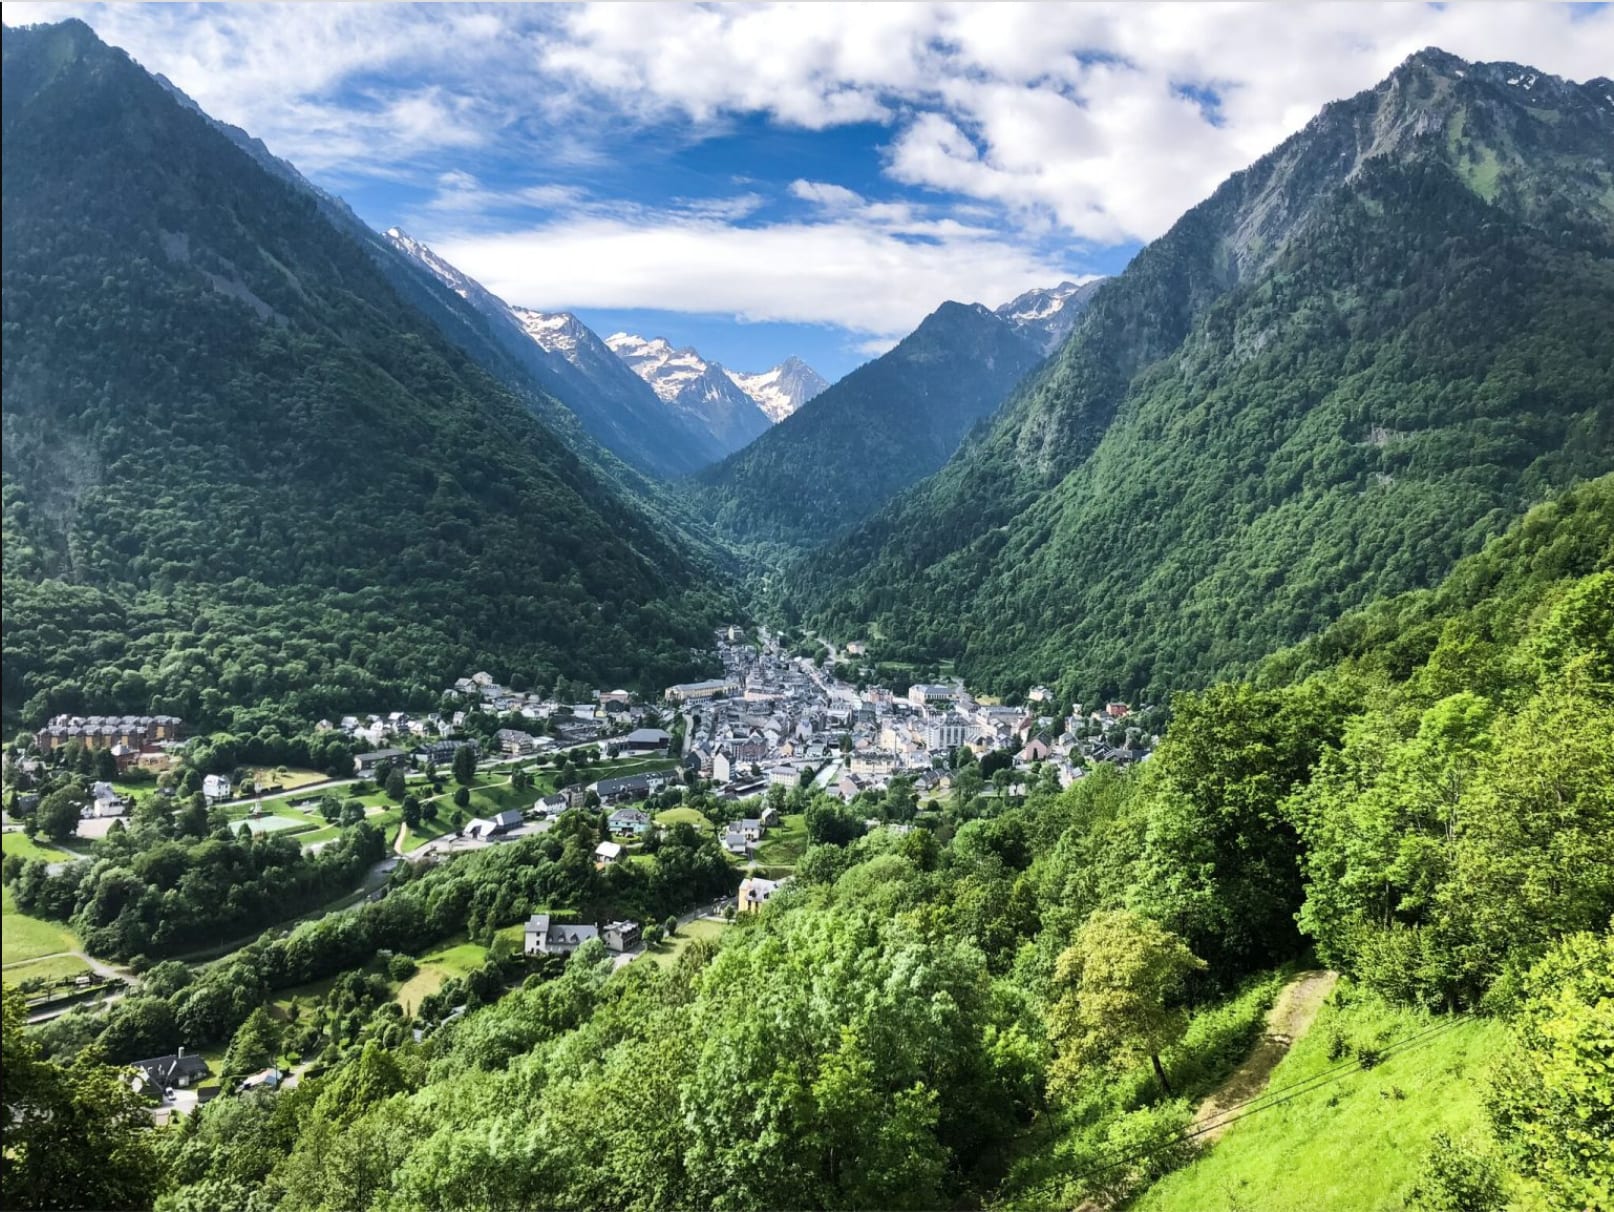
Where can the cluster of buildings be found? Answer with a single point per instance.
(774, 718)
(143, 740)
(545, 936)
(434, 735)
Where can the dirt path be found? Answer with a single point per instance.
(1290, 1018)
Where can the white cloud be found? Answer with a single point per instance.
(1008, 127)
(847, 271)
(1072, 111)
(825, 194)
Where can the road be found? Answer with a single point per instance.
(101, 968)
(320, 788)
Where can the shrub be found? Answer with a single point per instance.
(1457, 1176)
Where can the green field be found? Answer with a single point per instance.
(1354, 1141)
(785, 843)
(438, 967)
(22, 845)
(666, 953)
(28, 938)
(426, 981)
(57, 967)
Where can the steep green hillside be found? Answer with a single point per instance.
(852, 448)
(238, 467)
(1330, 1134)
(1350, 366)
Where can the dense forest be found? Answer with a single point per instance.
(238, 466)
(1355, 362)
(853, 447)
(1017, 1002)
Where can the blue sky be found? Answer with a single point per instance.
(766, 179)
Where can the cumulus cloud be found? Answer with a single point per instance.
(1007, 130)
(1109, 119)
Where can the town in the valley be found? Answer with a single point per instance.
(737, 757)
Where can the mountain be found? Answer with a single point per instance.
(562, 357)
(701, 393)
(240, 468)
(884, 426)
(782, 390)
(594, 408)
(1326, 383)
(1047, 315)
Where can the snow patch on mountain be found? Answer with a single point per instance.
(782, 390)
(669, 371)
(1047, 314)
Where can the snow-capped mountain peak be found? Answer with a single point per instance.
(557, 331)
(1047, 314)
(782, 390)
(669, 371)
(672, 373)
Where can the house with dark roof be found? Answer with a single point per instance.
(162, 1075)
(622, 936)
(485, 827)
(645, 740)
(365, 764)
(545, 937)
(631, 786)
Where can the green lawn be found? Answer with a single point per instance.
(457, 959)
(785, 842)
(57, 967)
(666, 953)
(21, 844)
(438, 967)
(1355, 1142)
(28, 938)
(414, 839)
(305, 997)
(684, 816)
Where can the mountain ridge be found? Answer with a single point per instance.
(1383, 206)
(869, 435)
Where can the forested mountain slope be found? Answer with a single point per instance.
(1349, 366)
(851, 448)
(238, 465)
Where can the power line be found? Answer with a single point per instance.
(1294, 1090)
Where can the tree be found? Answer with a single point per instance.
(411, 812)
(106, 766)
(73, 1137)
(254, 1046)
(1552, 1097)
(464, 765)
(1113, 987)
(59, 811)
(670, 926)
(397, 784)
(462, 797)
